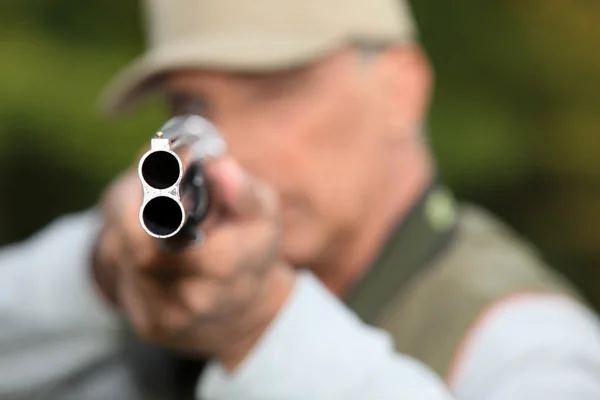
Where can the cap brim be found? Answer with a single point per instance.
(247, 53)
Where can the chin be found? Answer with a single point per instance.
(305, 237)
(297, 254)
(300, 247)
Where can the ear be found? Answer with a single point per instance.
(406, 81)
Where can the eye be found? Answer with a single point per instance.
(280, 85)
(184, 103)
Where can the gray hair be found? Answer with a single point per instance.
(369, 51)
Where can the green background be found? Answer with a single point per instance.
(515, 121)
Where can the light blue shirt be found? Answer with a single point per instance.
(53, 323)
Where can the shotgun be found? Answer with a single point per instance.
(176, 193)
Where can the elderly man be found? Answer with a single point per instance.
(336, 254)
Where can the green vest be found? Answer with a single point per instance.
(440, 270)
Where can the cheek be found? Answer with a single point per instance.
(311, 149)
(268, 147)
(344, 149)
(320, 159)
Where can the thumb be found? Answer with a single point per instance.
(240, 193)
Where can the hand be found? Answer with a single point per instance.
(215, 299)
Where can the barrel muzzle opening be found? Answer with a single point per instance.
(163, 216)
(161, 170)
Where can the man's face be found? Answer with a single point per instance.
(318, 136)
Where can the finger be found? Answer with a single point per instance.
(201, 297)
(124, 207)
(233, 249)
(240, 193)
(153, 307)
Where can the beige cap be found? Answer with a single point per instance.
(252, 36)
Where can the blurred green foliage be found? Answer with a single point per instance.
(515, 120)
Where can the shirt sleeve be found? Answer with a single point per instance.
(53, 321)
(533, 347)
(318, 349)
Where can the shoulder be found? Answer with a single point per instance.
(486, 263)
(546, 333)
(489, 259)
(524, 312)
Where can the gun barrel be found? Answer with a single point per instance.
(176, 197)
(162, 214)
